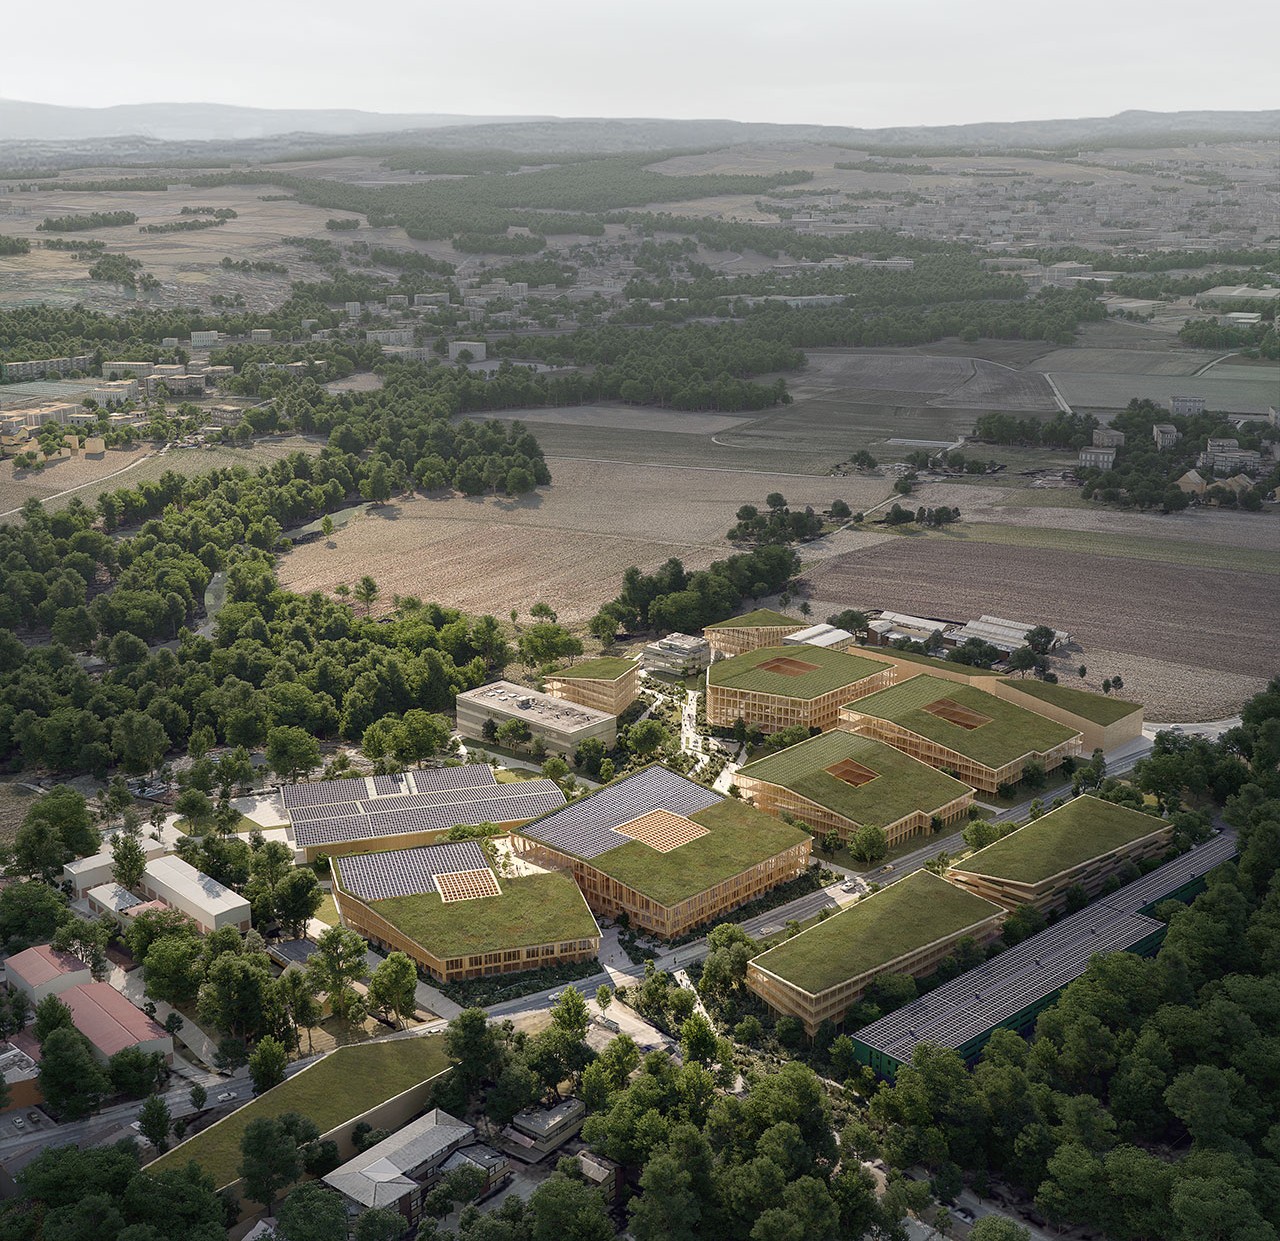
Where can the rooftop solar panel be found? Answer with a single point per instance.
(480, 809)
(967, 1007)
(408, 872)
(586, 828)
(305, 814)
(396, 782)
(449, 797)
(469, 775)
(324, 792)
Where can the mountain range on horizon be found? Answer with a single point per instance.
(22, 121)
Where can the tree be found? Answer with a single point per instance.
(393, 986)
(604, 997)
(72, 1081)
(269, 1159)
(30, 913)
(135, 1073)
(155, 1121)
(138, 742)
(563, 1209)
(339, 961)
(380, 1224)
(998, 1228)
(646, 737)
(291, 752)
(698, 1040)
(366, 592)
(326, 526)
(869, 843)
(173, 969)
(51, 1014)
(295, 992)
(313, 1212)
(128, 860)
(1022, 660)
(199, 1096)
(775, 500)
(238, 995)
(555, 768)
(267, 1064)
(298, 897)
(474, 1047)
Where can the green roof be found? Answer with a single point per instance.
(930, 661)
(907, 915)
(606, 668)
(1085, 828)
(738, 837)
(901, 784)
(827, 670)
(1097, 708)
(533, 909)
(1010, 732)
(761, 618)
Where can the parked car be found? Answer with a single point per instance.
(964, 1214)
(226, 1096)
(34, 1117)
(19, 1123)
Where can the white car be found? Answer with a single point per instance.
(19, 1123)
(226, 1096)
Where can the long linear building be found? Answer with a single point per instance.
(1010, 990)
(412, 808)
(562, 725)
(763, 627)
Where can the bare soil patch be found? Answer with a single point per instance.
(14, 804)
(1162, 623)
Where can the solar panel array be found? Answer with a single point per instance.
(407, 872)
(968, 1007)
(398, 782)
(500, 803)
(323, 792)
(586, 828)
(467, 885)
(468, 776)
(304, 814)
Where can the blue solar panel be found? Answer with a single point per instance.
(586, 828)
(323, 792)
(397, 782)
(407, 872)
(467, 776)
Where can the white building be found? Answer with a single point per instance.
(205, 340)
(209, 904)
(476, 348)
(678, 654)
(820, 635)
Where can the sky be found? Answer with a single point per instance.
(835, 62)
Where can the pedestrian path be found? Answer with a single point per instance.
(130, 984)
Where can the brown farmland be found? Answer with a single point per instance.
(1190, 643)
(566, 545)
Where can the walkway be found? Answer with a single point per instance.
(130, 984)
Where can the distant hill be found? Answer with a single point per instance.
(220, 123)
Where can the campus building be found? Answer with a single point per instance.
(906, 928)
(1081, 844)
(839, 782)
(607, 684)
(776, 687)
(208, 903)
(1103, 721)
(763, 627)
(41, 971)
(397, 1173)
(443, 906)
(112, 1024)
(668, 853)
(678, 654)
(1011, 989)
(563, 726)
(361, 813)
(975, 736)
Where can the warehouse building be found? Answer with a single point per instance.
(820, 635)
(1081, 844)
(906, 928)
(1013, 988)
(209, 904)
(112, 1024)
(41, 971)
(607, 684)
(775, 687)
(361, 813)
(975, 736)
(763, 627)
(443, 906)
(1008, 635)
(839, 782)
(668, 853)
(562, 726)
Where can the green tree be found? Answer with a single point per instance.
(138, 742)
(298, 897)
(128, 860)
(154, 1121)
(269, 1159)
(199, 1096)
(869, 843)
(52, 1014)
(72, 1081)
(313, 1212)
(267, 1064)
(366, 592)
(134, 1072)
(698, 1040)
(173, 969)
(291, 752)
(338, 962)
(393, 987)
(379, 1224)
(563, 1209)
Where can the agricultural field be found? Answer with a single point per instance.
(1232, 389)
(1151, 622)
(567, 545)
(15, 801)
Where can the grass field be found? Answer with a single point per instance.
(532, 910)
(328, 911)
(1082, 829)
(330, 1092)
(1008, 731)
(827, 670)
(900, 784)
(905, 916)
(759, 618)
(738, 837)
(1100, 708)
(606, 668)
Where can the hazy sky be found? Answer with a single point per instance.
(841, 62)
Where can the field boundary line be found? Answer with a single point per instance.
(705, 469)
(57, 495)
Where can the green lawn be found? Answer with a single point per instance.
(761, 618)
(242, 825)
(829, 670)
(533, 909)
(738, 837)
(328, 911)
(906, 915)
(606, 668)
(1082, 829)
(929, 661)
(338, 1088)
(901, 784)
(1098, 708)
(1009, 733)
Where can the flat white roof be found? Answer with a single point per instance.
(185, 882)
